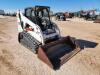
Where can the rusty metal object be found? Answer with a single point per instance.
(97, 21)
(58, 52)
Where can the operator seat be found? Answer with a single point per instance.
(39, 22)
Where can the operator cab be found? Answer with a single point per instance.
(40, 16)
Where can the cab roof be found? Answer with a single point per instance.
(38, 7)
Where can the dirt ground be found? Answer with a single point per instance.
(17, 60)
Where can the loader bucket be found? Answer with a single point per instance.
(58, 52)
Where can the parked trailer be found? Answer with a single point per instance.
(2, 12)
(97, 20)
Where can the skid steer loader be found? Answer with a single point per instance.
(38, 33)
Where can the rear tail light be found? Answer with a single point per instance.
(29, 29)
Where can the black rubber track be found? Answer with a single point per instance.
(28, 41)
